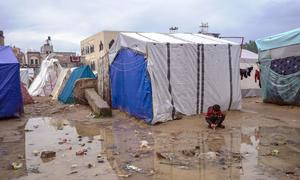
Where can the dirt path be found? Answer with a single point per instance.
(260, 142)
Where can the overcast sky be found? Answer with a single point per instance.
(27, 23)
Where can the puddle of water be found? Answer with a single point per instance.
(61, 136)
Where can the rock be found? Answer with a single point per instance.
(48, 154)
(89, 141)
(274, 152)
(73, 172)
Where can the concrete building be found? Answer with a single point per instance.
(97, 46)
(46, 48)
(33, 59)
(20, 56)
(1, 38)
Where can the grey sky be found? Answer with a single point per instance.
(27, 23)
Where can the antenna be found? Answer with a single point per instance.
(204, 27)
(173, 29)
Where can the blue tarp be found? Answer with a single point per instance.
(131, 85)
(279, 40)
(11, 102)
(66, 96)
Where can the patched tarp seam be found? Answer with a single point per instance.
(230, 75)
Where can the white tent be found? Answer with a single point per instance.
(249, 87)
(188, 72)
(45, 81)
(24, 75)
(60, 83)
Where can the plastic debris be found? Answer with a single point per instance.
(144, 144)
(16, 165)
(35, 152)
(133, 168)
(48, 154)
(81, 152)
(274, 152)
(124, 175)
(73, 166)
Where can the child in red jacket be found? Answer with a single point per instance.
(215, 117)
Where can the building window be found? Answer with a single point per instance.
(87, 50)
(92, 48)
(100, 46)
(111, 43)
(82, 51)
(31, 61)
(36, 61)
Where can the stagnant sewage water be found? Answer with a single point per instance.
(234, 153)
(48, 134)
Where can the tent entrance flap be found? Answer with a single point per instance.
(131, 85)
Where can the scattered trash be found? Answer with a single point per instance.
(289, 173)
(144, 144)
(133, 168)
(81, 144)
(189, 153)
(274, 152)
(73, 172)
(73, 166)
(70, 148)
(28, 130)
(81, 152)
(63, 141)
(79, 137)
(89, 141)
(34, 170)
(48, 154)
(100, 159)
(197, 147)
(20, 156)
(35, 153)
(168, 156)
(90, 165)
(16, 165)
(124, 175)
(208, 155)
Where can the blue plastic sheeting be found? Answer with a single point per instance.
(279, 40)
(66, 96)
(11, 102)
(130, 84)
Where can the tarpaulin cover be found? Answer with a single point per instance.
(11, 103)
(279, 58)
(130, 84)
(66, 96)
(45, 81)
(279, 40)
(188, 72)
(60, 83)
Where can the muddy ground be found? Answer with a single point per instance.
(260, 142)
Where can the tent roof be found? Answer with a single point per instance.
(179, 38)
(248, 56)
(7, 55)
(279, 40)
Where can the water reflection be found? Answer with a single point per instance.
(62, 137)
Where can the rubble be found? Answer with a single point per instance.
(16, 165)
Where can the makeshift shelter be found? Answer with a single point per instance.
(66, 96)
(11, 103)
(24, 74)
(279, 58)
(156, 76)
(45, 81)
(60, 83)
(250, 84)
